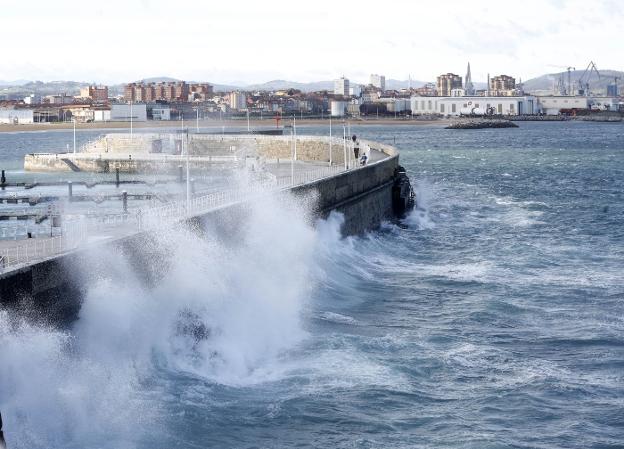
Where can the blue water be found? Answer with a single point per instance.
(491, 317)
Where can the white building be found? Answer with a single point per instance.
(355, 90)
(378, 81)
(341, 87)
(604, 104)
(396, 105)
(123, 112)
(59, 99)
(338, 108)
(455, 106)
(552, 105)
(102, 115)
(238, 101)
(16, 116)
(370, 96)
(161, 112)
(32, 99)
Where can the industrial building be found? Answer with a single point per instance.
(341, 87)
(456, 106)
(564, 104)
(126, 112)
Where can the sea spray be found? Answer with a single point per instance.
(224, 310)
(419, 217)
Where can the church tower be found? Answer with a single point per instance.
(469, 87)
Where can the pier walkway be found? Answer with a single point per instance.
(77, 232)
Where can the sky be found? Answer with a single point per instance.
(246, 42)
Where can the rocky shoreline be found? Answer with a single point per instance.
(482, 124)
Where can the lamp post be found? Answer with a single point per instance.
(344, 144)
(74, 119)
(292, 159)
(197, 122)
(188, 178)
(130, 119)
(248, 128)
(295, 133)
(330, 141)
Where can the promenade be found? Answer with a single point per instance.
(81, 232)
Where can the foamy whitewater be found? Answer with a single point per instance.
(491, 317)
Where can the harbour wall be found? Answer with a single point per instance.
(51, 291)
(161, 152)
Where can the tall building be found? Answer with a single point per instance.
(171, 91)
(378, 81)
(612, 90)
(468, 86)
(238, 101)
(341, 86)
(98, 94)
(447, 82)
(502, 85)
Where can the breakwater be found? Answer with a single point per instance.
(366, 195)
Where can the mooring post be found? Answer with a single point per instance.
(70, 190)
(124, 199)
(180, 174)
(117, 177)
(3, 179)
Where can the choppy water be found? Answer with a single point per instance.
(495, 319)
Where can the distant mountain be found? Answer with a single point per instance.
(283, 84)
(392, 84)
(545, 83)
(13, 83)
(42, 88)
(158, 79)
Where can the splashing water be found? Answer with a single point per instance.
(225, 311)
(419, 217)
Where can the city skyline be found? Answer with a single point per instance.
(237, 43)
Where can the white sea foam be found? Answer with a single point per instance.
(337, 318)
(227, 310)
(419, 217)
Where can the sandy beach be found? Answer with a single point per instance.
(264, 124)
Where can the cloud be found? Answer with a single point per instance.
(223, 41)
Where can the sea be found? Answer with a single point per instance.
(492, 316)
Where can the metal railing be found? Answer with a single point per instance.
(79, 232)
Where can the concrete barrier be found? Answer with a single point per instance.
(50, 289)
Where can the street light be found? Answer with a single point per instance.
(330, 141)
(74, 119)
(344, 144)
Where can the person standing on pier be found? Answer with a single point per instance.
(356, 147)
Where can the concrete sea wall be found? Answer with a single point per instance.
(52, 290)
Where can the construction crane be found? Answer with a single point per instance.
(561, 86)
(583, 81)
(570, 90)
